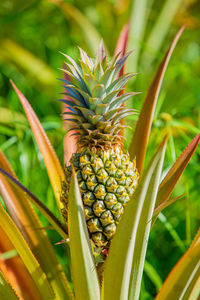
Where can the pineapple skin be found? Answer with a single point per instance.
(107, 180)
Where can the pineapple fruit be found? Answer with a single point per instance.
(107, 178)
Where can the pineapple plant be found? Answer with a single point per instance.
(33, 271)
(106, 175)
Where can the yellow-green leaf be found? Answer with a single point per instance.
(26, 255)
(15, 270)
(124, 268)
(6, 291)
(138, 18)
(23, 214)
(46, 212)
(54, 169)
(195, 292)
(15, 53)
(84, 275)
(184, 277)
(141, 134)
(160, 29)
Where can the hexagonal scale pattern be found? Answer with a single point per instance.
(107, 180)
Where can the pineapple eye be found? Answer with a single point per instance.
(88, 198)
(94, 225)
(106, 218)
(99, 208)
(88, 212)
(110, 230)
(100, 191)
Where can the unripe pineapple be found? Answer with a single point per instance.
(107, 178)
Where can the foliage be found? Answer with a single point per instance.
(32, 66)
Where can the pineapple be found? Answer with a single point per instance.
(107, 178)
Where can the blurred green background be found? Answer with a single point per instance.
(32, 34)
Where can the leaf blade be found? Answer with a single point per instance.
(84, 273)
(20, 56)
(54, 169)
(46, 212)
(170, 180)
(15, 270)
(7, 289)
(179, 279)
(118, 286)
(25, 253)
(121, 45)
(141, 134)
(23, 214)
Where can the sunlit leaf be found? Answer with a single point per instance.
(45, 211)
(194, 294)
(6, 289)
(144, 226)
(141, 134)
(85, 280)
(138, 20)
(16, 271)
(54, 169)
(123, 269)
(196, 239)
(19, 207)
(183, 277)
(91, 35)
(8, 116)
(26, 255)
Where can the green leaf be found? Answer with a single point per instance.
(9, 254)
(179, 243)
(137, 25)
(124, 267)
(141, 134)
(160, 29)
(45, 211)
(153, 275)
(26, 60)
(85, 280)
(45, 254)
(23, 214)
(6, 289)
(167, 185)
(26, 255)
(184, 277)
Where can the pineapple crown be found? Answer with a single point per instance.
(95, 97)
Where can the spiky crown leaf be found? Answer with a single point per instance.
(96, 98)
